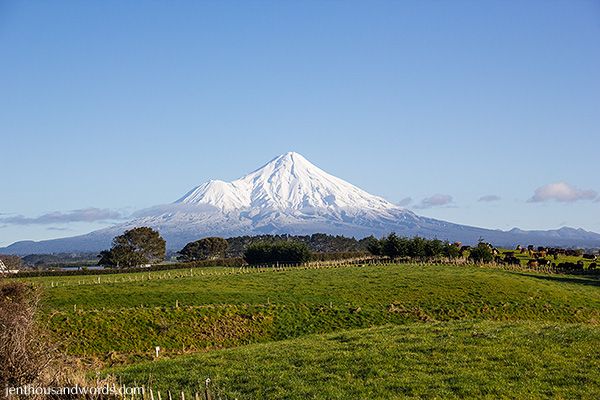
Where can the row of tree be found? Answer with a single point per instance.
(287, 252)
(317, 243)
(394, 246)
(140, 246)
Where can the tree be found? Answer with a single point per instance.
(417, 247)
(482, 253)
(394, 246)
(434, 248)
(204, 249)
(451, 250)
(135, 247)
(373, 245)
(277, 252)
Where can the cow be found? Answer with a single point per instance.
(592, 266)
(570, 266)
(532, 263)
(590, 257)
(542, 262)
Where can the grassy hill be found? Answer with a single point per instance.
(120, 319)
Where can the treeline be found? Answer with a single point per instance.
(395, 247)
(277, 252)
(141, 246)
(317, 243)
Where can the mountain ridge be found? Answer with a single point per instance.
(291, 195)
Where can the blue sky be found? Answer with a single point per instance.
(114, 106)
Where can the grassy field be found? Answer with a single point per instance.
(435, 360)
(218, 318)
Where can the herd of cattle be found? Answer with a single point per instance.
(538, 258)
(543, 257)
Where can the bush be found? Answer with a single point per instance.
(287, 252)
(24, 357)
(203, 249)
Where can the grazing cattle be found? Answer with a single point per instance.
(518, 247)
(523, 250)
(567, 266)
(542, 262)
(570, 266)
(589, 256)
(532, 263)
(509, 254)
(573, 253)
(511, 260)
(592, 266)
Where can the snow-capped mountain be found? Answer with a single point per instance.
(291, 195)
(289, 183)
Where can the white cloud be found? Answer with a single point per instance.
(58, 217)
(175, 208)
(405, 201)
(436, 200)
(562, 192)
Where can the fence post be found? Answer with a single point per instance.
(207, 395)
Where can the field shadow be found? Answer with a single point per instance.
(583, 280)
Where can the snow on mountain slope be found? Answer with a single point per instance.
(287, 183)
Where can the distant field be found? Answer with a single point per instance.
(483, 360)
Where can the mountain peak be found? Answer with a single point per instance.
(288, 183)
(287, 161)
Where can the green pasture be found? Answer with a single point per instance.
(361, 331)
(449, 360)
